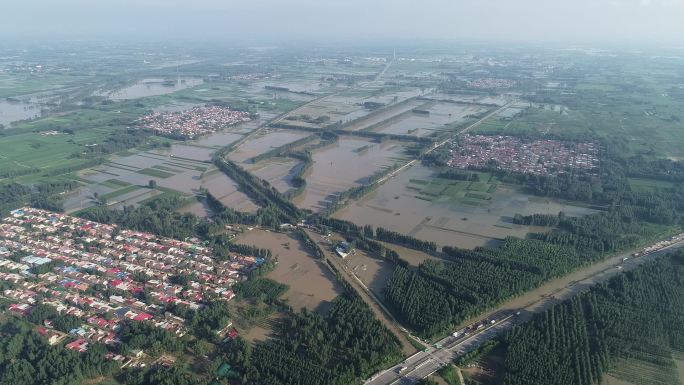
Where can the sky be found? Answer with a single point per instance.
(535, 21)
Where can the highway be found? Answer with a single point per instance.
(423, 364)
(389, 64)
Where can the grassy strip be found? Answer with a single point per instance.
(120, 192)
(155, 173)
(114, 183)
(450, 374)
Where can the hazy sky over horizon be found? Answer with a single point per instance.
(576, 21)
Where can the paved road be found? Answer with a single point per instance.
(378, 308)
(423, 364)
(389, 64)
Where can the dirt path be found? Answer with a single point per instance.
(373, 302)
(460, 375)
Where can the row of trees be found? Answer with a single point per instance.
(261, 192)
(346, 345)
(43, 195)
(284, 149)
(27, 359)
(444, 293)
(635, 316)
(339, 200)
(405, 240)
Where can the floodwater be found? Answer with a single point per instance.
(184, 175)
(84, 197)
(153, 87)
(413, 257)
(11, 111)
(185, 151)
(200, 209)
(227, 192)
(133, 198)
(277, 171)
(312, 284)
(373, 272)
(264, 143)
(441, 114)
(188, 164)
(343, 165)
(219, 139)
(395, 207)
(176, 107)
(385, 115)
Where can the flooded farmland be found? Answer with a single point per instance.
(434, 118)
(277, 171)
(397, 206)
(152, 87)
(386, 114)
(347, 106)
(373, 272)
(14, 111)
(343, 165)
(312, 284)
(228, 193)
(184, 167)
(263, 143)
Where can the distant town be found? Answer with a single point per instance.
(539, 157)
(192, 123)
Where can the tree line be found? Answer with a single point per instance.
(344, 346)
(635, 316)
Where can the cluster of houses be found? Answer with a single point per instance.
(192, 123)
(98, 273)
(539, 157)
(491, 83)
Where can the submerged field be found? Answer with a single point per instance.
(455, 213)
(343, 165)
(264, 142)
(184, 167)
(435, 118)
(312, 284)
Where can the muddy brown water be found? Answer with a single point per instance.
(277, 171)
(373, 272)
(228, 193)
(346, 164)
(312, 284)
(263, 143)
(395, 207)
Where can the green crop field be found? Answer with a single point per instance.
(33, 150)
(649, 184)
(120, 192)
(154, 172)
(470, 193)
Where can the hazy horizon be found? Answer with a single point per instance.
(525, 21)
